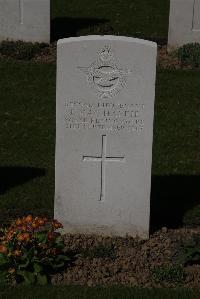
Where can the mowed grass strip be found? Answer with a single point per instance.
(27, 113)
(27, 135)
(177, 123)
(78, 292)
(138, 18)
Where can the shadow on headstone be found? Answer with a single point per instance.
(68, 27)
(11, 176)
(171, 198)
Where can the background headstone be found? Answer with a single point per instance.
(104, 130)
(26, 20)
(184, 23)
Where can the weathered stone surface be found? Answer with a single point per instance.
(104, 129)
(26, 20)
(184, 23)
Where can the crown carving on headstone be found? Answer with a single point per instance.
(106, 54)
(105, 75)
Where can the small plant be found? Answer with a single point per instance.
(170, 274)
(21, 50)
(189, 251)
(189, 54)
(31, 250)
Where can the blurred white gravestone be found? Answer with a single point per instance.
(184, 23)
(26, 20)
(104, 130)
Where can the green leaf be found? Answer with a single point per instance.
(66, 258)
(29, 277)
(41, 237)
(10, 246)
(62, 257)
(59, 240)
(41, 279)
(24, 256)
(37, 268)
(58, 265)
(24, 264)
(3, 277)
(30, 253)
(3, 259)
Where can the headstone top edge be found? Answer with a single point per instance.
(106, 37)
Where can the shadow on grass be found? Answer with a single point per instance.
(68, 27)
(172, 197)
(11, 176)
(161, 41)
(175, 199)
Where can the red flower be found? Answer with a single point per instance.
(50, 236)
(23, 237)
(17, 252)
(3, 249)
(56, 224)
(18, 221)
(34, 225)
(29, 219)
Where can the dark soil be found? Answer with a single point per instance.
(131, 262)
(165, 60)
(48, 55)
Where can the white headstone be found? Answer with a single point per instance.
(184, 23)
(104, 129)
(26, 20)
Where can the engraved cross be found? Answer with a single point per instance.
(21, 11)
(103, 159)
(196, 16)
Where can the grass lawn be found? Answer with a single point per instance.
(138, 18)
(27, 136)
(175, 194)
(76, 292)
(27, 113)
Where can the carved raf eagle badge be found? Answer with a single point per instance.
(105, 75)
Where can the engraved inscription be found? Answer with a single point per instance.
(103, 159)
(105, 75)
(106, 116)
(196, 16)
(21, 11)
